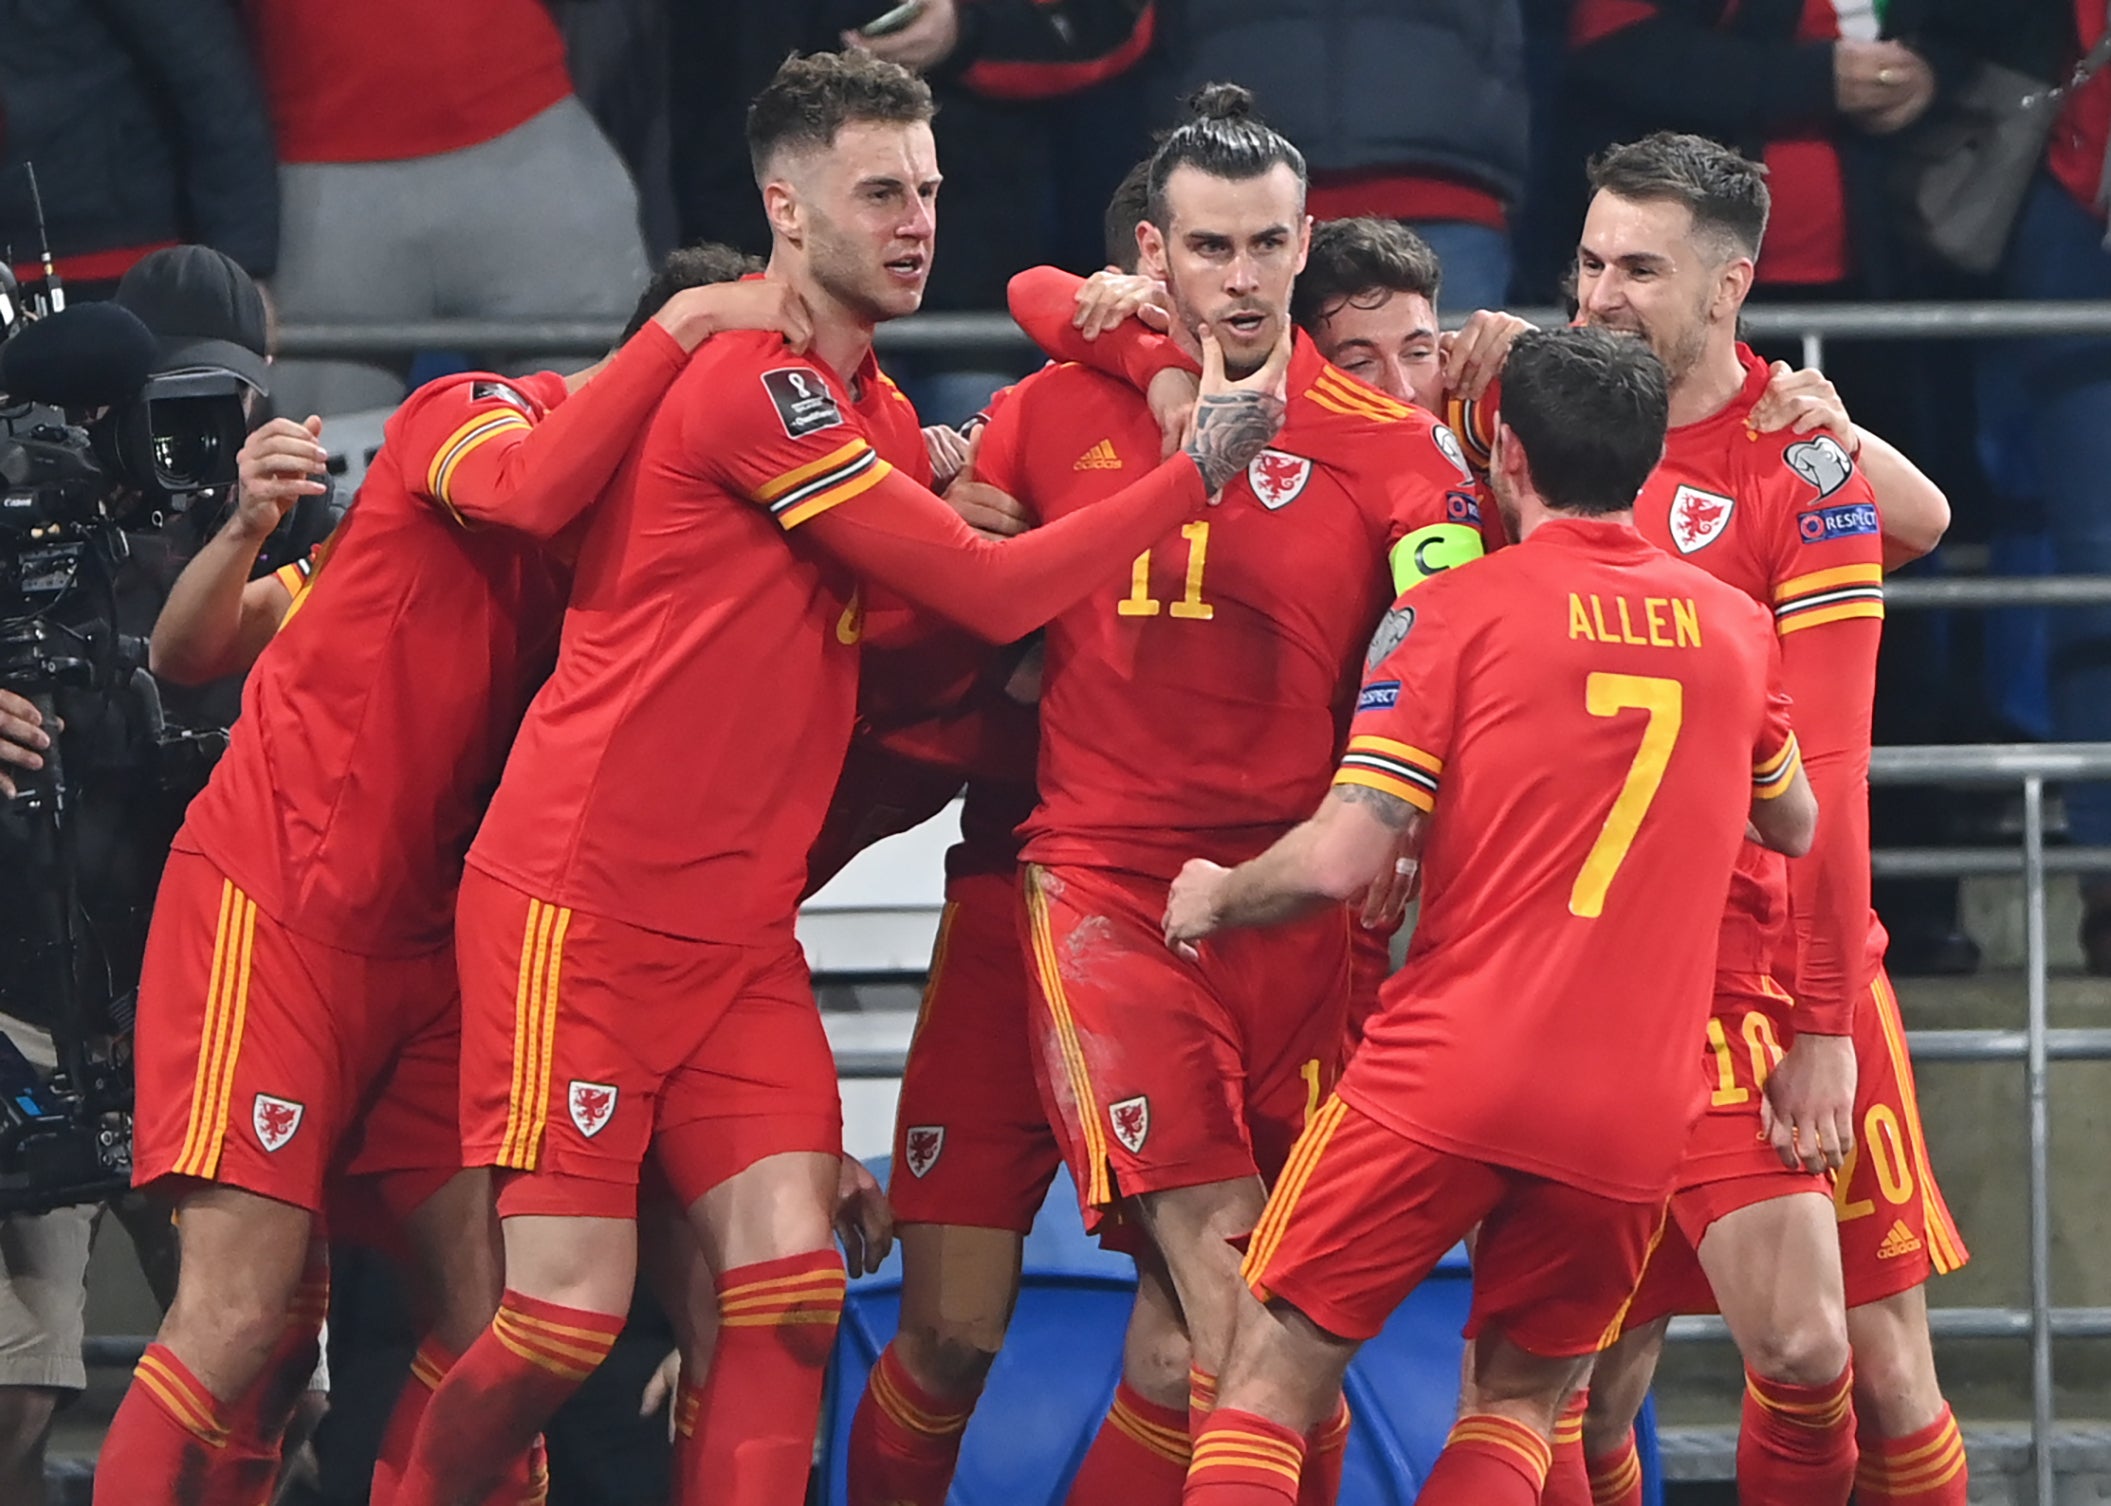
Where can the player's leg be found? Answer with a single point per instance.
(243, 1085)
(973, 1158)
(1775, 1269)
(1359, 1217)
(750, 1138)
(1620, 1380)
(570, 1024)
(682, 1281)
(1895, 1232)
(1141, 1452)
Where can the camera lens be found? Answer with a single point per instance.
(184, 454)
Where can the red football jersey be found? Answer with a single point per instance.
(1196, 709)
(1790, 521)
(374, 726)
(1597, 718)
(686, 744)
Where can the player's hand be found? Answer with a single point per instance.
(660, 1389)
(1803, 402)
(948, 449)
(1807, 1110)
(864, 1221)
(694, 315)
(924, 43)
(1235, 420)
(23, 739)
(1191, 905)
(1883, 86)
(1172, 396)
(990, 512)
(1474, 353)
(1385, 902)
(1106, 298)
(278, 464)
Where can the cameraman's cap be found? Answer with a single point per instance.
(204, 310)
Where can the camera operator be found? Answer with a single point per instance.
(124, 800)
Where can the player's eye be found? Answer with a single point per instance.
(1419, 354)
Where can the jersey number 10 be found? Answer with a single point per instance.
(1609, 695)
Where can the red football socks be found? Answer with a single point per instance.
(1326, 1446)
(905, 1441)
(1926, 1468)
(1796, 1446)
(1488, 1461)
(256, 1422)
(428, 1367)
(166, 1442)
(1616, 1478)
(754, 1438)
(1568, 1480)
(1201, 1400)
(1242, 1459)
(485, 1415)
(1140, 1455)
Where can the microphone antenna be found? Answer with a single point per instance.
(54, 290)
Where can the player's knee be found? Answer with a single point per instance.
(950, 1359)
(1895, 1386)
(25, 1424)
(1809, 1350)
(225, 1318)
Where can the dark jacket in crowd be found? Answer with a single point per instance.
(1436, 84)
(2036, 37)
(146, 123)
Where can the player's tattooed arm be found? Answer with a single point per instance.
(1235, 420)
(1349, 842)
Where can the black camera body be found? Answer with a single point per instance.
(73, 481)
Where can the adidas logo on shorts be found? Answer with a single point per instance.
(1900, 1241)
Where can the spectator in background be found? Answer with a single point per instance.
(1415, 110)
(146, 124)
(435, 164)
(1774, 79)
(2048, 402)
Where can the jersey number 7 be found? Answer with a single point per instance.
(1609, 695)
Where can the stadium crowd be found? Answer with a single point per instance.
(1266, 611)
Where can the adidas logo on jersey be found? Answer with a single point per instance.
(1900, 1241)
(1101, 457)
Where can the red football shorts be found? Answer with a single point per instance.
(1895, 1228)
(584, 1040)
(972, 1146)
(1158, 1072)
(257, 1049)
(1363, 1214)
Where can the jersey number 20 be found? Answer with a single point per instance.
(1609, 695)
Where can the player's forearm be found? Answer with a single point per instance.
(541, 479)
(200, 634)
(1830, 672)
(900, 536)
(1287, 881)
(1043, 299)
(1912, 509)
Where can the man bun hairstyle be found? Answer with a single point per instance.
(1222, 137)
(694, 266)
(1590, 408)
(1362, 261)
(814, 97)
(1725, 193)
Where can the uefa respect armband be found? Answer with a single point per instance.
(1433, 550)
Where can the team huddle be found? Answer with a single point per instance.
(1260, 614)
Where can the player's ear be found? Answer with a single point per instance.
(1150, 246)
(1304, 241)
(781, 207)
(1733, 286)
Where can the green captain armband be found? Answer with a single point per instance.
(1433, 550)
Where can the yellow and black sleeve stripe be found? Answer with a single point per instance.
(1396, 768)
(1771, 777)
(812, 489)
(1824, 596)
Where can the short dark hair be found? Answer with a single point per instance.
(688, 267)
(814, 97)
(1222, 137)
(1590, 408)
(1355, 259)
(1125, 211)
(1725, 193)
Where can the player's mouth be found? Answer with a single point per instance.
(909, 268)
(1247, 324)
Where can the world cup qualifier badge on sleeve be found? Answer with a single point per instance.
(804, 403)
